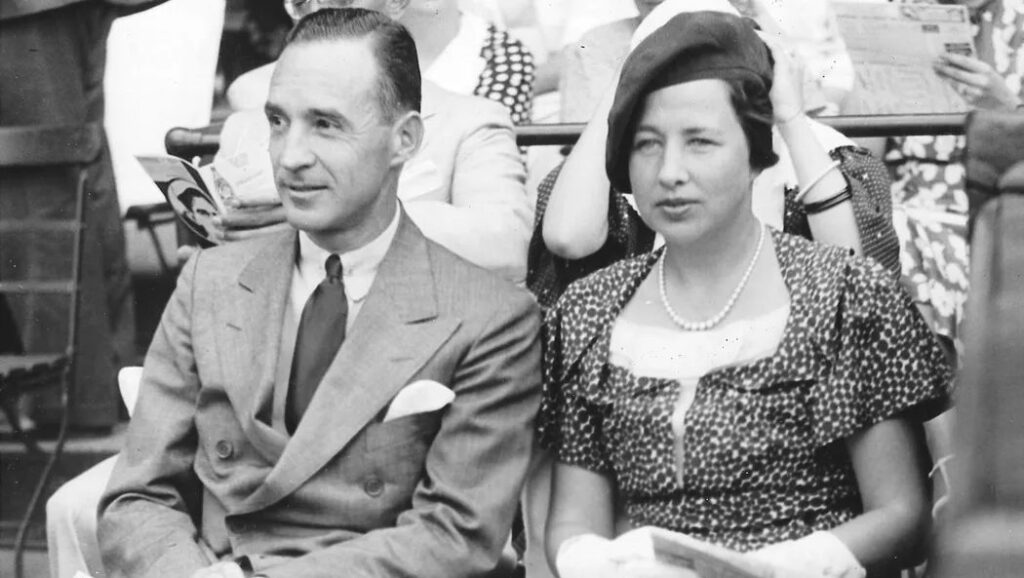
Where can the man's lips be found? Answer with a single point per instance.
(302, 187)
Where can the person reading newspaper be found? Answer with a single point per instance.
(741, 387)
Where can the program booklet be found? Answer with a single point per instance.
(708, 560)
(893, 47)
(198, 194)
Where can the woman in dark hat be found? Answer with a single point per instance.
(585, 224)
(741, 385)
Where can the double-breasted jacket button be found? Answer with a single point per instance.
(224, 449)
(373, 486)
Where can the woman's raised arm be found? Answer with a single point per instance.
(575, 223)
(820, 178)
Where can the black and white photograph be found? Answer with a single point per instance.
(511, 288)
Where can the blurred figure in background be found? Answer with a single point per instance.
(52, 60)
(930, 203)
(592, 63)
(807, 27)
(156, 79)
(461, 52)
(466, 54)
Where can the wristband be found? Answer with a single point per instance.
(803, 192)
(822, 206)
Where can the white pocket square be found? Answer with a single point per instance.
(419, 397)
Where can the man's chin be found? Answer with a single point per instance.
(308, 220)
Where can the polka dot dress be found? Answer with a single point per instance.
(762, 453)
(508, 74)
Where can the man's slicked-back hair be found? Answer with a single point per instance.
(398, 82)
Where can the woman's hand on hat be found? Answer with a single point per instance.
(976, 81)
(787, 85)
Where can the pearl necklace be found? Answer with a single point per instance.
(709, 323)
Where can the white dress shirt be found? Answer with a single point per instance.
(359, 269)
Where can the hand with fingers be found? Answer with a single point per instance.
(250, 222)
(787, 85)
(976, 81)
(241, 224)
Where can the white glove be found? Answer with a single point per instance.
(819, 555)
(585, 556)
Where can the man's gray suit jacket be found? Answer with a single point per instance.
(204, 474)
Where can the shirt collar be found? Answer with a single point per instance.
(359, 266)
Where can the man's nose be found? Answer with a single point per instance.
(293, 151)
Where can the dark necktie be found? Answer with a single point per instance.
(321, 331)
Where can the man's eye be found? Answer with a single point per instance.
(324, 124)
(275, 120)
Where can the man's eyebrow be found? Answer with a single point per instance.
(328, 113)
(271, 108)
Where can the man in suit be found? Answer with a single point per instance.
(259, 444)
(466, 185)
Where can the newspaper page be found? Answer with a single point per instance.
(893, 47)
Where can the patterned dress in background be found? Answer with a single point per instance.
(508, 74)
(929, 200)
(486, 60)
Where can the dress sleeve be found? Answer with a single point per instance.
(887, 364)
(570, 422)
(872, 206)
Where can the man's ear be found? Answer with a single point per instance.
(406, 136)
(394, 9)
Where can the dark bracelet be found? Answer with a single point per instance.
(822, 206)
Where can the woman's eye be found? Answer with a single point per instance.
(699, 143)
(646, 146)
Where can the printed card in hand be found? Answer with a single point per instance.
(199, 194)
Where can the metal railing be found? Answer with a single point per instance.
(187, 143)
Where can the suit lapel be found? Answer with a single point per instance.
(251, 335)
(395, 333)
